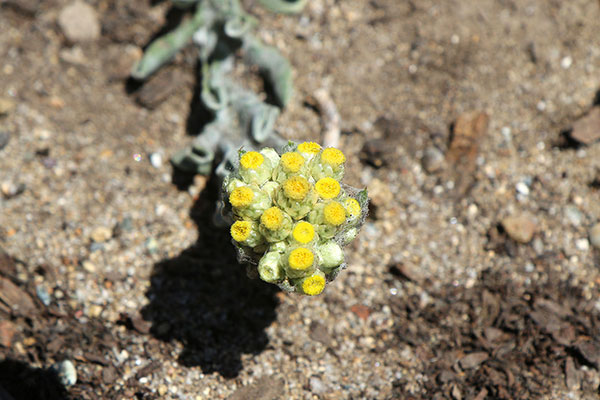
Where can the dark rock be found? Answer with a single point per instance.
(586, 130)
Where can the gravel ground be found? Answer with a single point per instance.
(444, 297)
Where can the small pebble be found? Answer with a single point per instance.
(88, 266)
(573, 215)
(432, 160)
(79, 22)
(162, 390)
(522, 188)
(151, 245)
(10, 189)
(520, 228)
(582, 244)
(566, 62)
(66, 372)
(595, 236)
(317, 386)
(156, 160)
(101, 234)
(43, 295)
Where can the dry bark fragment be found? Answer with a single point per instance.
(16, 299)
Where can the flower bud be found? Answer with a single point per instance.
(269, 267)
(330, 255)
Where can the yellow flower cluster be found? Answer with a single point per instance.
(292, 216)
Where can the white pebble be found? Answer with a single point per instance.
(522, 188)
(582, 244)
(156, 160)
(566, 62)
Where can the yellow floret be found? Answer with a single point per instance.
(333, 157)
(352, 207)
(309, 147)
(304, 232)
(240, 230)
(301, 258)
(296, 188)
(313, 285)
(334, 213)
(272, 218)
(328, 188)
(252, 160)
(241, 197)
(292, 161)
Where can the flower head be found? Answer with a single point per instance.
(303, 232)
(272, 218)
(301, 259)
(334, 213)
(240, 230)
(313, 285)
(241, 197)
(292, 161)
(327, 188)
(333, 157)
(251, 160)
(309, 147)
(296, 188)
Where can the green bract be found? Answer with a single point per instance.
(292, 214)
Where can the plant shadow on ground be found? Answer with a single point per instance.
(19, 381)
(203, 299)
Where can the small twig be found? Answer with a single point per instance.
(331, 117)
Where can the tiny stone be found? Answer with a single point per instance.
(95, 310)
(573, 214)
(96, 246)
(432, 160)
(101, 234)
(88, 266)
(317, 386)
(43, 295)
(522, 188)
(162, 390)
(156, 160)
(79, 22)
(566, 62)
(595, 236)
(151, 245)
(520, 228)
(66, 372)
